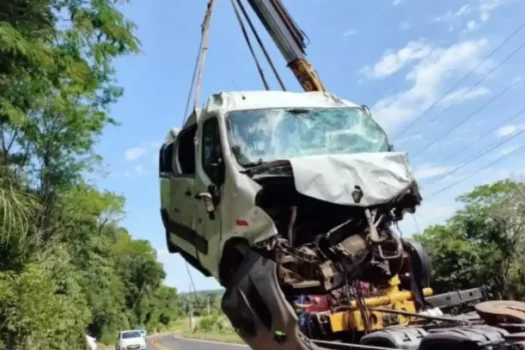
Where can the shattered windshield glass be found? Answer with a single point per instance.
(270, 134)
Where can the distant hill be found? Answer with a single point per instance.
(206, 292)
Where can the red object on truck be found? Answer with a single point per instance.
(318, 303)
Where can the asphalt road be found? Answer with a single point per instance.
(170, 342)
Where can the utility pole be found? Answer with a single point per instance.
(191, 311)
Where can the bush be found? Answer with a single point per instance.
(210, 324)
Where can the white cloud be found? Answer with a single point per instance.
(475, 10)
(392, 62)
(510, 129)
(453, 16)
(398, 2)
(471, 25)
(156, 144)
(405, 25)
(464, 94)
(139, 170)
(350, 32)
(434, 67)
(507, 150)
(427, 171)
(486, 7)
(162, 253)
(135, 153)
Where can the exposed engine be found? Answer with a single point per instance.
(324, 246)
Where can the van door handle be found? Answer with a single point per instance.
(188, 193)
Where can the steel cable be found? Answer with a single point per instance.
(463, 121)
(248, 42)
(517, 150)
(488, 149)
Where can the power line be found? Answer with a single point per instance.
(482, 79)
(522, 148)
(485, 105)
(516, 31)
(505, 121)
(191, 280)
(416, 223)
(482, 153)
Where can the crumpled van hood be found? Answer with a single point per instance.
(381, 177)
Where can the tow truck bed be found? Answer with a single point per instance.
(465, 331)
(468, 331)
(272, 324)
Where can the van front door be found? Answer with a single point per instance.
(181, 197)
(209, 188)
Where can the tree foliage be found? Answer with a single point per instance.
(483, 244)
(67, 268)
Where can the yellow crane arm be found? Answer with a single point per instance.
(289, 39)
(306, 74)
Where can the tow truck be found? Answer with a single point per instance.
(289, 200)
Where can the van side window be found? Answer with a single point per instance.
(165, 159)
(212, 161)
(186, 151)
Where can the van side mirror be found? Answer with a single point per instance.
(366, 110)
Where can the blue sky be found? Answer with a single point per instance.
(397, 56)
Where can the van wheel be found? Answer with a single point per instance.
(171, 247)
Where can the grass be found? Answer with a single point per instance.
(227, 335)
(224, 337)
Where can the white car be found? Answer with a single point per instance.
(91, 342)
(131, 340)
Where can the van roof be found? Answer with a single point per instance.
(223, 102)
(227, 101)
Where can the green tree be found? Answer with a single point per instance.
(482, 244)
(67, 267)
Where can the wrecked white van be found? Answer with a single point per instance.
(281, 193)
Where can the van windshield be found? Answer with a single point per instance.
(271, 134)
(132, 334)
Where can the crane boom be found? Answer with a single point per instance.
(289, 39)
